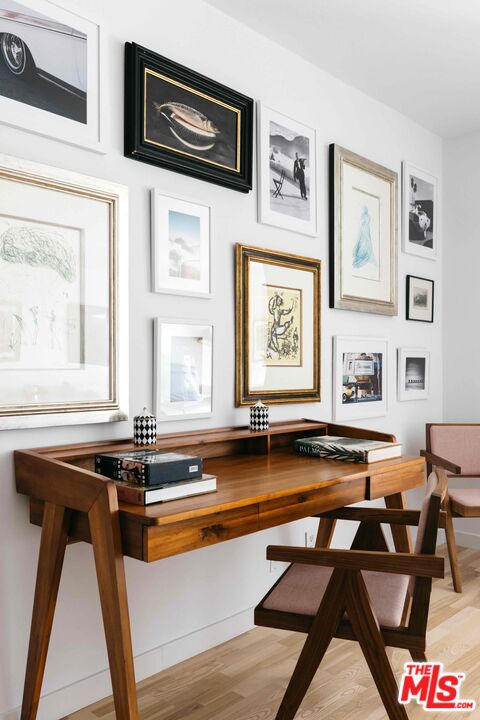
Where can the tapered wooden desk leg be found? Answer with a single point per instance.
(50, 562)
(106, 540)
(326, 528)
(400, 533)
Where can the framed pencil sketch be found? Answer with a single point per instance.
(413, 373)
(63, 297)
(183, 369)
(359, 378)
(180, 246)
(287, 191)
(277, 327)
(419, 200)
(50, 72)
(363, 234)
(183, 121)
(420, 299)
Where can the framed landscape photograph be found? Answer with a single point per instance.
(50, 69)
(287, 153)
(363, 234)
(180, 246)
(420, 299)
(183, 369)
(63, 297)
(183, 121)
(413, 368)
(419, 196)
(277, 327)
(359, 378)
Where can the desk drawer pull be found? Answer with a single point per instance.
(215, 530)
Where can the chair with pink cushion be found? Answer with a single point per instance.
(456, 448)
(367, 594)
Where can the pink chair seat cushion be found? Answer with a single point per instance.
(465, 501)
(302, 588)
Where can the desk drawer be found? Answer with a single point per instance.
(295, 507)
(389, 483)
(161, 541)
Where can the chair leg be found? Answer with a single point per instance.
(318, 639)
(368, 633)
(418, 656)
(452, 552)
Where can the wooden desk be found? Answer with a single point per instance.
(261, 484)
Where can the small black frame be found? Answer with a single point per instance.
(407, 300)
(139, 62)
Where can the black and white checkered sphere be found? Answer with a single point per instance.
(144, 429)
(259, 417)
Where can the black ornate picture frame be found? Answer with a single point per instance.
(183, 121)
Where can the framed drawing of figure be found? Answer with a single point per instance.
(277, 327)
(419, 199)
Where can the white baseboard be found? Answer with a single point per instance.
(466, 539)
(69, 699)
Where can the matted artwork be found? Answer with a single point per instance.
(181, 120)
(277, 327)
(359, 385)
(287, 151)
(420, 299)
(413, 370)
(63, 297)
(420, 232)
(180, 246)
(363, 234)
(50, 72)
(183, 369)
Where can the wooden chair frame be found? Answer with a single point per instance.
(346, 593)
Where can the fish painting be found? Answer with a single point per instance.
(191, 127)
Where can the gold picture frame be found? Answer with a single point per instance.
(278, 330)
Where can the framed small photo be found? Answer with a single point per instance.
(180, 246)
(183, 369)
(413, 373)
(360, 378)
(50, 72)
(419, 196)
(363, 234)
(287, 153)
(420, 299)
(183, 121)
(277, 327)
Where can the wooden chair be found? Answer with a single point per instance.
(367, 594)
(456, 449)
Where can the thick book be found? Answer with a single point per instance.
(348, 449)
(149, 467)
(141, 495)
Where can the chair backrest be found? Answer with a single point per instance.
(423, 523)
(458, 443)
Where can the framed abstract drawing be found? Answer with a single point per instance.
(287, 154)
(183, 369)
(420, 299)
(419, 200)
(63, 297)
(183, 121)
(363, 234)
(277, 327)
(180, 246)
(413, 373)
(50, 72)
(359, 378)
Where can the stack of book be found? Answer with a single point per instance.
(347, 449)
(144, 477)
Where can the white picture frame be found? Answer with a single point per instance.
(64, 345)
(280, 197)
(60, 56)
(181, 245)
(360, 377)
(419, 212)
(183, 369)
(413, 373)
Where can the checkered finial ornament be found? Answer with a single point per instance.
(145, 428)
(259, 417)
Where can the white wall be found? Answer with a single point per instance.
(177, 605)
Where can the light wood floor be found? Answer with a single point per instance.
(245, 678)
